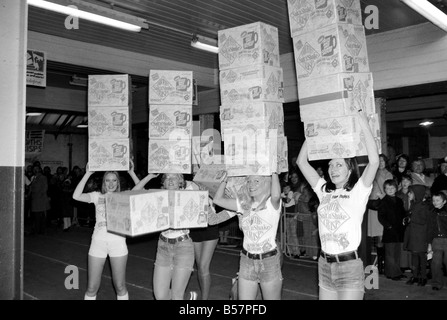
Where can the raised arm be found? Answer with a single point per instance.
(78, 192)
(132, 174)
(221, 200)
(275, 191)
(371, 148)
(306, 169)
(140, 185)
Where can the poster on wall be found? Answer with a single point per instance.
(36, 68)
(34, 142)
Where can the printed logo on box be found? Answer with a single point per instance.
(335, 127)
(307, 58)
(229, 49)
(163, 87)
(353, 45)
(162, 123)
(301, 13)
(160, 157)
(360, 94)
(338, 149)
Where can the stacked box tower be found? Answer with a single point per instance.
(109, 122)
(170, 121)
(251, 90)
(334, 80)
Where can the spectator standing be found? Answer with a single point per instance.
(417, 174)
(403, 167)
(39, 200)
(391, 214)
(440, 182)
(437, 238)
(415, 239)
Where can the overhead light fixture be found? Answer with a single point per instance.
(82, 125)
(33, 114)
(426, 123)
(117, 21)
(429, 11)
(204, 43)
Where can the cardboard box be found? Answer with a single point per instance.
(269, 112)
(108, 154)
(335, 127)
(190, 209)
(170, 87)
(209, 177)
(135, 213)
(170, 122)
(282, 152)
(251, 83)
(251, 156)
(336, 95)
(333, 49)
(346, 146)
(250, 44)
(257, 129)
(305, 16)
(109, 90)
(108, 122)
(167, 156)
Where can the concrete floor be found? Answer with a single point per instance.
(49, 260)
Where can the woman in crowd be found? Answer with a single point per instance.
(403, 167)
(343, 202)
(259, 209)
(103, 243)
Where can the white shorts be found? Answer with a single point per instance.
(100, 248)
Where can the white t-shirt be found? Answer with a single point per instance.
(340, 216)
(99, 200)
(260, 227)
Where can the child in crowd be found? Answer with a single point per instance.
(415, 239)
(391, 214)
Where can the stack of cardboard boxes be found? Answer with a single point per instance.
(109, 119)
(333, 76)
(170, 121)
(251, 87)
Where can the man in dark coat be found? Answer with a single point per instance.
(391, 214)
(440, 182)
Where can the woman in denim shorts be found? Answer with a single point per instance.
(259, 209)
(174, 262)
(104, 243)
(343, 202)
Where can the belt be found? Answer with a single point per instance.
(174, 240)
(260, 256)
(330, 258)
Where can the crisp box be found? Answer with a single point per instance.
(109, 90)
(282, 152)
(108, 122)
(190, 209)
(254, 43)
(346, 146)
(135, 213)
(306, 15)
(108, 154)
(333, 49)
(167, 156)
(336, 95)
(335, 127)
(258, 129)
(209, 177)
(252, 156)
(170, 87)
(170, 122)
(251, 83)
(269, 112)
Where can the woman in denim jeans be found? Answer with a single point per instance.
(175, 250)
(343, 202)
(258, 212)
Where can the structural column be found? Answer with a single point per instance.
(381, 111)
(13, 39)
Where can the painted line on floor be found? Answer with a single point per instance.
(83, 269)
(30, 296)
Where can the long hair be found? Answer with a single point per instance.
(246, 200)
(103, 186)
(352, 165)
